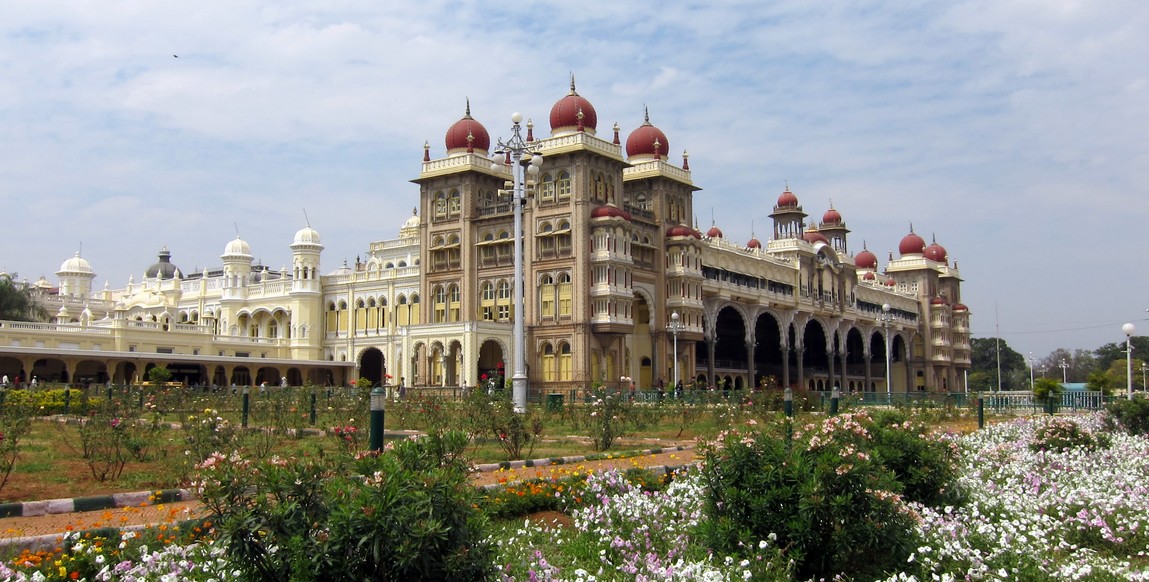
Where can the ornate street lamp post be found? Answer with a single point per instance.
(886, 318)
(675, 327)
(1064, 371)
(1128, 329)
(525, 159)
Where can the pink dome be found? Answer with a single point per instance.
(960, 307)
(813, 236)
(642, 142)
(866, 260)
(869, 276)
(787, 200)
(681, 230)
(911, 244)
(937, 301)
(610, 211)
(714, 232)
(565, 113)
(467, 134)
(753, 244)
(890, 282)
(832, 217)
(936, 252)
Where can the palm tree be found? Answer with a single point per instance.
(18, 303)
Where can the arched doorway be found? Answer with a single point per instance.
(371, 366)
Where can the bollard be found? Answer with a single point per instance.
(67, 400)
(246, 405)
(312, 409)
(788, 402)
(980, 412)
(378, 401)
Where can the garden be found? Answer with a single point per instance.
(866, 494)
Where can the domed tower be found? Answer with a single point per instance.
(788, 216)
(911, 245)
(305, 252)
(236, 268)
(467, 136)
(937, 253)
(410, 228)
(75, 277)
(573, 114)
(834, 229)
(647, 142)
(162, 269)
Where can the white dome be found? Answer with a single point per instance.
(412, 222)
(76, 264)
(237, 247)
(307, 236)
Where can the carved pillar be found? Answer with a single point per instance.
(799, 351)
(752, 384)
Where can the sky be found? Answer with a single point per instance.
(1015, 133)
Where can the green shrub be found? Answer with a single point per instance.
(924, 466)
(413, 517)
(830, 503)
(1132, 416)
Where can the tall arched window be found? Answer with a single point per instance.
(546, 297)
(454, 302)
(550, 374)
(563, 187)
(565, 293)
(439, 304)
(503, 301)
(565, 362)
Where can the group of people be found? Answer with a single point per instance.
(4, 382)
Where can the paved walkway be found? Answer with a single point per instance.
(46, 531)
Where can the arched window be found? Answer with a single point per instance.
(440, 205)
(565, 362)
(563, 188)
(454, 204)
(547, 188)
(565, 293)
(487, 300)
(550, 373)
(439, 304)
(503, 301)
(546, 296)
(454, 307)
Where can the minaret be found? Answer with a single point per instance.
(236, 269)
(75, 277)
(305, 253)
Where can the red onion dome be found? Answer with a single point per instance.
(467, 135)
(890, 282)
(936, 252)
(937, 301)
(960, 307)
(681, 230)
(869, 276)
(787, 199)
(813, 236)
(866, 260)
(714, 232)
(832, 217)
(753, 244)
(610, 211)
(911, 244)
(647, 141)
(565, 114)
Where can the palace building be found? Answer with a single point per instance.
(612, 252)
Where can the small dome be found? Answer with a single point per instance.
(868, 276)
(911, 244)
(866, 260)
(565, 114)
(714, 232)
(937, 301)
(76, 264)
(681, 230)
(753, 243)
(306, 236)
(162, 268)
(960, 307)
(832, 217)
(467, 135)
(787, 199)
(891, 282)
(610, 211)
(813, 236)
(647, 142)
(936, 252)
(237, 247)
(412, 221)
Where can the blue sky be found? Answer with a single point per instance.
(1013, 131)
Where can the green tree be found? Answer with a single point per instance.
(1046, 389)
(1100, 381)
(984, 358)
(159, 375)
(18, 302)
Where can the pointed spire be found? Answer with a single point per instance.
(645, 115)
(573, 92)
(685, 160)
(616, 141)
(415, 211)
(530, 130)
(468, 114)
(426, 151)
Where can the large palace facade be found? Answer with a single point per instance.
(612, 250)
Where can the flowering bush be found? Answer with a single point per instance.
(1062, 434)
(606, 416)
(347, 438)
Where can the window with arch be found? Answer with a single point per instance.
(440, 205)
(402, 311)
(565, 362)
(487, 300)
(566, 295)
(547, 188)
(454, 204)
(547, 355)
(546, 297)
(599, 193)
(454, 307)
(503, 301)
(415, 316)
(563, 186)
(438, 304)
